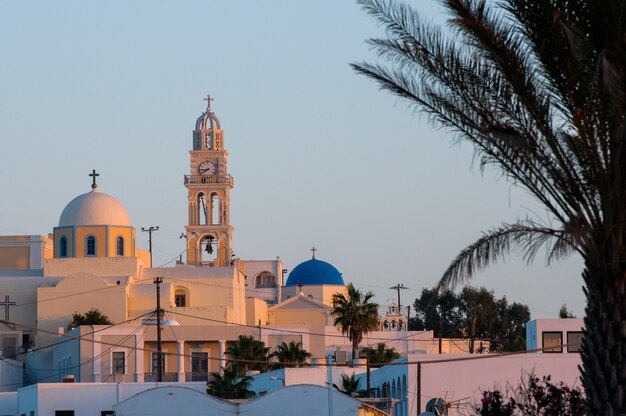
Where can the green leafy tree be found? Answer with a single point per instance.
(473, 313)
(92, 317)
(478, 308)
(355, 314)
(291, 353)
(509, 332)
(538, 87)
(564, 313)
(438, 311)
(229, 385)
(247, 354)
(379, 355)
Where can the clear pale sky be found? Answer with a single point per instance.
(320, 156)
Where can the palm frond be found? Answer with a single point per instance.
(525, 237)
(491, 83)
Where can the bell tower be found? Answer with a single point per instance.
(208, 233)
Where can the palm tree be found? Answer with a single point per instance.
(350, 386)
(229, 385)
(379, 355)
(355, 315)
(291, 353)
(538, 87)
(247, 354)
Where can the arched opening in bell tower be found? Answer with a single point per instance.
(215, 209)
(208, 250)
(203, 210)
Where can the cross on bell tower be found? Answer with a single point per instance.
(208, 184)
(208, 100)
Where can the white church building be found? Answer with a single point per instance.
(90, 261)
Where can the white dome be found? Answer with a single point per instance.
(94, 208)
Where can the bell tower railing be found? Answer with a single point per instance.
(219, 179)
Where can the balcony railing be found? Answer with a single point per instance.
(199, 376)
(222, 179)
(172, 377)
(166, 377)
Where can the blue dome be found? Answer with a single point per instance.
(314, 272)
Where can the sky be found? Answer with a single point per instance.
(321, 157)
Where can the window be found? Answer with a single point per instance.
(155, 356)
(107, 412)
(199, 366)
(203, 213)
(63, 413)
(119, 362)
(9, 345)
(63, 247)
(91, 245)
(265, 280)
(180, 297)
(119, 246)
(552, 341)
(574, 340)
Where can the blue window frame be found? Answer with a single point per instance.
(63, 247)
(91, 245)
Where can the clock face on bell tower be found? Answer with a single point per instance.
(208, 232)
(206, 169)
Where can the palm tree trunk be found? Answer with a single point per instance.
(604, 343)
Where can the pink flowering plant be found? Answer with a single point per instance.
(533, 397)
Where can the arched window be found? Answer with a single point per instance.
(119, 246)
(91, 245)
(265, 280)
(180, 297)
(203, 210)
(63, 247)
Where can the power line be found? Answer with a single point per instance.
(13, 325)
(323, 364)
(291, 331)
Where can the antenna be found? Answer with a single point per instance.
(444, 407)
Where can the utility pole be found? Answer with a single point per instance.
(157, 282)
(149, 231)
(398, 287)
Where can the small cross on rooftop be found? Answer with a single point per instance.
(313, 250)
